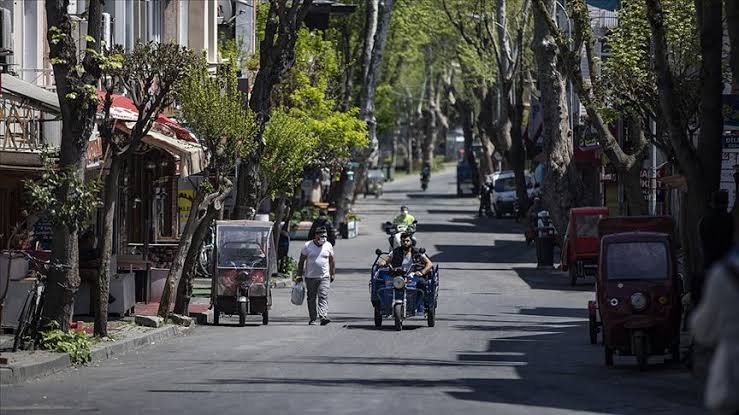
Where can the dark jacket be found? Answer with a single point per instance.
(323, 223)
(398, 255)
(716, 231)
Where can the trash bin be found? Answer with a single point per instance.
(545, 250)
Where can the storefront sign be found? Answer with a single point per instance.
(184, 205)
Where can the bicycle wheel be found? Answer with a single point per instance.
(24, 320)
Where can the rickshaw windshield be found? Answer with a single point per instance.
(506, 184)
(587, 226)
(242, 248)
(637, 261)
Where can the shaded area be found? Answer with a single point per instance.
(498, 252)
(542, 279)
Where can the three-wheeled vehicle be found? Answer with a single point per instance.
(245, 258)
(375, 181)
(580, 252)
(638, 289)
(395, 292)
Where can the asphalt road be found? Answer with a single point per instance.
(508, 340)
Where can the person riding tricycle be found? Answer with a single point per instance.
(244, 260)
(581, 243)
(404, 283)
(638, 289)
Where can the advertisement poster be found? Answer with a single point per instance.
(729, 159)
(184, 204)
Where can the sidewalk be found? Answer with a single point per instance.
(23, 366)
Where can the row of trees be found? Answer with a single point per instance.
(291, 123)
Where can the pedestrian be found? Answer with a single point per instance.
(317, 267)
(715, 324)
(324, 222)
(716, 231)
(484, 200)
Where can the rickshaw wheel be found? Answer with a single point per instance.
(593, 330)
(608, 355)
(641, 353)
(265, 317)
(431, 317)
(216, 316)
(378, 317)
(398, 314)
(242, 314)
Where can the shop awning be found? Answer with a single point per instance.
(32, 94)
(676, 182)
(190, 156)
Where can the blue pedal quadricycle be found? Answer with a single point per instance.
(398, 293)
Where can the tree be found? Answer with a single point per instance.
(562, 185)
(213, 109)
(592, 97)
(76, 75)
(149, 74)
(699, 160)
(732, 24)
(276, 57)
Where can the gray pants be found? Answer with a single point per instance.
(317, 287)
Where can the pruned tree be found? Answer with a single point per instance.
(562, 187)
(700, 159)
(76, 74)
(149, 75)
(213, 109)
(276, 57)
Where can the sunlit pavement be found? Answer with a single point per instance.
(508, 340)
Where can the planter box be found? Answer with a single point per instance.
(349, 230)
(301, 233)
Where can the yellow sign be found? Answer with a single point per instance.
(184, 205)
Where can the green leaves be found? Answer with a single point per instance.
(77, 344)
(46, 195)
(215, 111)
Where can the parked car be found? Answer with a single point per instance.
(504, 196)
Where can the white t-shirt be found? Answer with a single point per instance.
(317, 265)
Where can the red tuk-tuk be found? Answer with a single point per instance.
(580, 251)
(638, 289)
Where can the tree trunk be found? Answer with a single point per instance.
(635, 202)
(517, 156)
(562, 185)
(248, 191)
(184, 287)
(77, 125)
(105, 250)
(279, 211)
(732, 25)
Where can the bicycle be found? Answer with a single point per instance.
(29, 321)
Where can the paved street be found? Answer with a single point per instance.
(509, 340)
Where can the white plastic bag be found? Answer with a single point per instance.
(298, 293)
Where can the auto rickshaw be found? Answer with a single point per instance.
(375, 181)
(580, 252)
(638, 289)
(245, 258)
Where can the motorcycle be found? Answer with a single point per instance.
(396, 230)
(397, 293)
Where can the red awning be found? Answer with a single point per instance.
(123, 109)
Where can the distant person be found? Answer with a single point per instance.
(715, 324)
(317, 267)
(404, 218)
(716, 232)
(324, 222)
(485, 207)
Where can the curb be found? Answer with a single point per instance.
(51, 362)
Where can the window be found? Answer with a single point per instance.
(637, 261)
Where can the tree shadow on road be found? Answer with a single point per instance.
(543, 279)
(500, 251)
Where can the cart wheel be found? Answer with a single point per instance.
(398, 314)
(431, 317)
(608, 356)
(573, 276)
(265, 317)
(593, 330)
(242, 314)
(216, 316)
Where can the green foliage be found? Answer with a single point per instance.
(629, 74)
(81, 198)
(307, 214)
(289, 267)
(289, 146)
(77, 344)
(215, 111)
